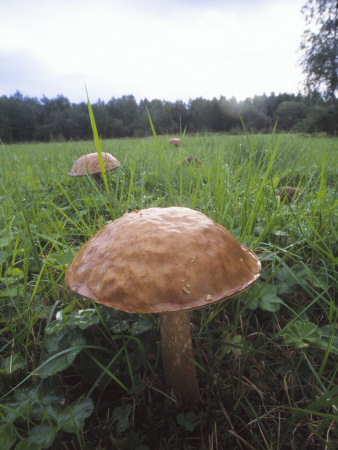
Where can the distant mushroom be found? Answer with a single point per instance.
(174, 141)
(166, 261)
(89, 165)
(289, 193)
(189, 160)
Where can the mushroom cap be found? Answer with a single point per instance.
(289, 192)
(162, 259)
(90, 164)
(174, 141)
(189, 160)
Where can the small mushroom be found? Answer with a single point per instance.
(89, 164)
(166, 261)
(189, 160)
(174, 141)
(289, 193)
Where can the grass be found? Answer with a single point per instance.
(77, 375)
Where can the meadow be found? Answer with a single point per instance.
(77, 375)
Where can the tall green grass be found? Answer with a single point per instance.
(267, 360)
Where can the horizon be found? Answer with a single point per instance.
(163, 100)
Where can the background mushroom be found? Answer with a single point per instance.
(89, 164)
(166, 261)
(289, 193)
(174, 141)
(189, 160)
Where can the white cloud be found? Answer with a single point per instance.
(155, 49)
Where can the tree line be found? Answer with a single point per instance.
(30, 119)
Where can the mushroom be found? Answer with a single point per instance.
(89, 164)
(166, 261)
(189, 160)
(174, 141)
(289, 193)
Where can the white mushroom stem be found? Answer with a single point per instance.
(177, 355)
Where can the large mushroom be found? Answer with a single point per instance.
(89, 164)
(166, 261)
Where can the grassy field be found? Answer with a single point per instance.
(76, 375)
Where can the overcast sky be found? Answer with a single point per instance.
(165, 49)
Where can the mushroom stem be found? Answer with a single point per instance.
(99, 179)
(177, 353)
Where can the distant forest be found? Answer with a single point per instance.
(25, 119)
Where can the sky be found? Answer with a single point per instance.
(155, 49)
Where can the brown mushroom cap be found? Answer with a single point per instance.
(189, 160)
(90, 164)
(288, 193)
(160, 260)
(174, 141)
